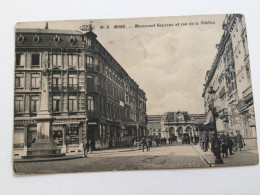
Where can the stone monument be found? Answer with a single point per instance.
(44, 145)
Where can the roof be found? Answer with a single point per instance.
(48, 31)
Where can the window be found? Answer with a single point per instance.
(19, 104)
(19, 80)
(72, 103)
(34, 103)
(73, 60)
(90, 61)
(57, 60)
(56, 81)
(35, 81)
(89, 42)
(56, 103)
(81, 102)
(72, 80)
(20, 59)
(35, 59)
(90, 103)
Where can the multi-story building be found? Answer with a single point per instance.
(231, 80)
(154, 125)
(177, 123)
(91, 97)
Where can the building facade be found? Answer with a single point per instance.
(154, 125)
(178, 123)
(91, 97)
(231, 80)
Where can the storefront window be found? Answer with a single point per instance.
(19, 137)
(57, 137)
(72, 136)
(31, 136)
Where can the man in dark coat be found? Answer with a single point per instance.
(229, 143)
(143, 143)
(232, 137)
(224, 143)
(204, 141)
(157, 142)
(239, 141)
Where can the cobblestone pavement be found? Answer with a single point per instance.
(247, 156)
(164, 157)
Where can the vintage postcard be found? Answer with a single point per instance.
(133, 94)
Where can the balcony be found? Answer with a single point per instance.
(56, 87)
(223, 113)
(222, 92)
(241, 104)
(247, 93)
(92, 88)
(73, 87)
(93, 67)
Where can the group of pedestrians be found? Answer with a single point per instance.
(146, 143)
(229, 142)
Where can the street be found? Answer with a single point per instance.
(163, 157)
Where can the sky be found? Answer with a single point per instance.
(168, 63)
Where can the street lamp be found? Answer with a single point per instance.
(216, 143)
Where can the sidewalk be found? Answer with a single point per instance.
(248, 156)
(70, 157)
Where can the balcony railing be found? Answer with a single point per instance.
(241, 104)
(223, 113)
(73, 87)
(56, 87)
(92, 88)
(92, 67)
(247, 92)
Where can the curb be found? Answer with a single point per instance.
(47, 159)
(203, 157)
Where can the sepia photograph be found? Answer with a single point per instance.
(133, 94)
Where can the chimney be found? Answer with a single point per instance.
(46, 26)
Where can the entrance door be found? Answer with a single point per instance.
(91, 135)
(180, 132)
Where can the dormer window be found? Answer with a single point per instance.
(21, 38)
(89, 42)
(72, 40)
(36, 39)
(57, 39)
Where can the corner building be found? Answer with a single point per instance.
(230, 77)
(91, 97)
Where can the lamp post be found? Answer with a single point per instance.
(216, 143)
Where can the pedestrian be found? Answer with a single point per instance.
(216, 145)
(85, 149)
(132, 142)
(204, 141)
(191, 138)
(229, 143)
(232, 137)
(157, 141)
(150, 143)
(147, 144)
(224, 143)
(143, 143)
(200, 136)
(90, 146)
(239, 140)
